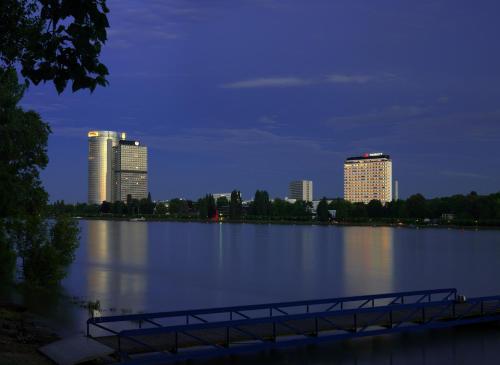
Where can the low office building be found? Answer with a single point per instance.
(301, 190)
(368, 177)
(130, 171)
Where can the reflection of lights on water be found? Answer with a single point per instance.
(98, 241)
(368, 259)
(118, 256)
(309, 252)
(221, 253)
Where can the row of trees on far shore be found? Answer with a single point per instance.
(457, 207)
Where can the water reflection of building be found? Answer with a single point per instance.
(368, 260)
(117, 263)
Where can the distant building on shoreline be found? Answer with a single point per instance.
(222, 195)
(301, 190)
(130, 177)
(368, 177)
(100, 161)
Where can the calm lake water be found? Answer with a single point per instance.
(154, 266)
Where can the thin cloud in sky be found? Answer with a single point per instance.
(349, 79)
(464, 174)
(294, 81)
(269, 121)
(268, 82)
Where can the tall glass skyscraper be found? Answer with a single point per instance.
(100, 168)
(130, 164)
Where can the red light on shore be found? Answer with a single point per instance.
(366, 155)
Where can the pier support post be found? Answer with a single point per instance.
(176, 343)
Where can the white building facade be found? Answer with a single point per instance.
(100, 161)
(301, 190)
(368, 177)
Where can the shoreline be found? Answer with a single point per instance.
(303, 223)
(22, 333)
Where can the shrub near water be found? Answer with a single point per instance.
(47, 256)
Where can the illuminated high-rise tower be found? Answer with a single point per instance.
(368, 177)
(130, 168)
(100, 167)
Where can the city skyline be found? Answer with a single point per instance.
(212, 96)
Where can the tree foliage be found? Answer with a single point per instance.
(178, 206)
(235, 205)
(45, 40)
(55, 40)
(261, 205)
(23, 152)
(161, 209)
(45, 252)
(322, 213)
(466, 209)
(207, 207)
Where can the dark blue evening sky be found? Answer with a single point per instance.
(251, 94)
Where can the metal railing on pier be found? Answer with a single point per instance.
(181, 335)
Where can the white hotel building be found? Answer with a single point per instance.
(368, 177)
